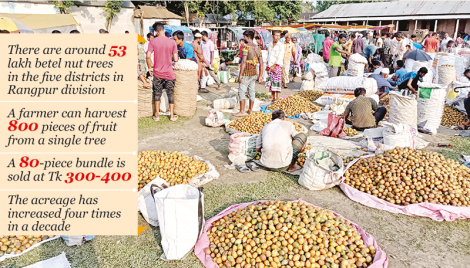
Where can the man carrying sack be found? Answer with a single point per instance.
(164, 77)
(251, 56)
(280, 144)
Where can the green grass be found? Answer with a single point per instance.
(148, 126)
(460, 145)
(145, 250)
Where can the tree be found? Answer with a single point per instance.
(307, 7)
(287, 10)
(63, 5)
(112, 9)
(324, 5)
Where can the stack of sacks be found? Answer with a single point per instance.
(307, 81)
(320, 73)
(347, 84)
(356, 65)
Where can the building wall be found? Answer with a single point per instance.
(27, 8)
(92, 19)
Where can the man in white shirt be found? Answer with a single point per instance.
(150, 36)
(445, 41)
(208, 49)
(280, 144)
(274, 67)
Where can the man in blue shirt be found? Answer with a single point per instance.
(369, 52)
(383, 86)
(399, 73)
(408, 84)
(185, 50)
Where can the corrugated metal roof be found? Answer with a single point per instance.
(395, 8)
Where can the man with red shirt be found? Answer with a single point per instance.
(327, 47)
(163, 49)
(431, 44)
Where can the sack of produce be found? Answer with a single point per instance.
(422, 197)
(409, 63)
(224, 76)
(357, 58)
(292, 106)
(216, 118)
(459, 65)
(461, 91)
(356, 65)
(181, 219)
(403, 109)
(322, 170)
(443, 59)
(185, 87)
(156, 164)
(225, 224)
(428, 65)
(19, 247)
(254, 123)
(242, 147)
(431, 101)
(145, 101)
(307, 85)
(226, 103)
(308, 76)
(347, 84)
(398, 135)
(446, 74)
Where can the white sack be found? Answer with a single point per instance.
(356, 69)
(316, 177)
(242, 147)
(164, 103)
(430, 109)
(307, 85)
(347, 84)
(357, 58)
(409, 65)
(398, 135)
(216, 118)
(403, 109)
(181, 217)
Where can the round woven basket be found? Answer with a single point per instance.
(145, 100)
(186, 87)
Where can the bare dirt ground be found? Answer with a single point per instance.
(415, 242)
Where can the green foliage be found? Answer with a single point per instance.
(64, 6)
(324, 5)
(287, 10)
(112, 8)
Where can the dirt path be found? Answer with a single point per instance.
(408, 241)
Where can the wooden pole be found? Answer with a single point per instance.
(456, 29)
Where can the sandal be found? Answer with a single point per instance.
(253, 166)
(155, 119)
(242, 168)
(176, 118)
(203, 91)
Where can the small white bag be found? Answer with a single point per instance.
(216, 118)
(181, 218)
(315, 177)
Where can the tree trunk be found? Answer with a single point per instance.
(201, 20)
(62, 11)
(187, 12)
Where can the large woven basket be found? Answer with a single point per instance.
(186, 87)
(145, 100)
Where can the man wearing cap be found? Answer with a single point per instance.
(383, 86)
(202, 72)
